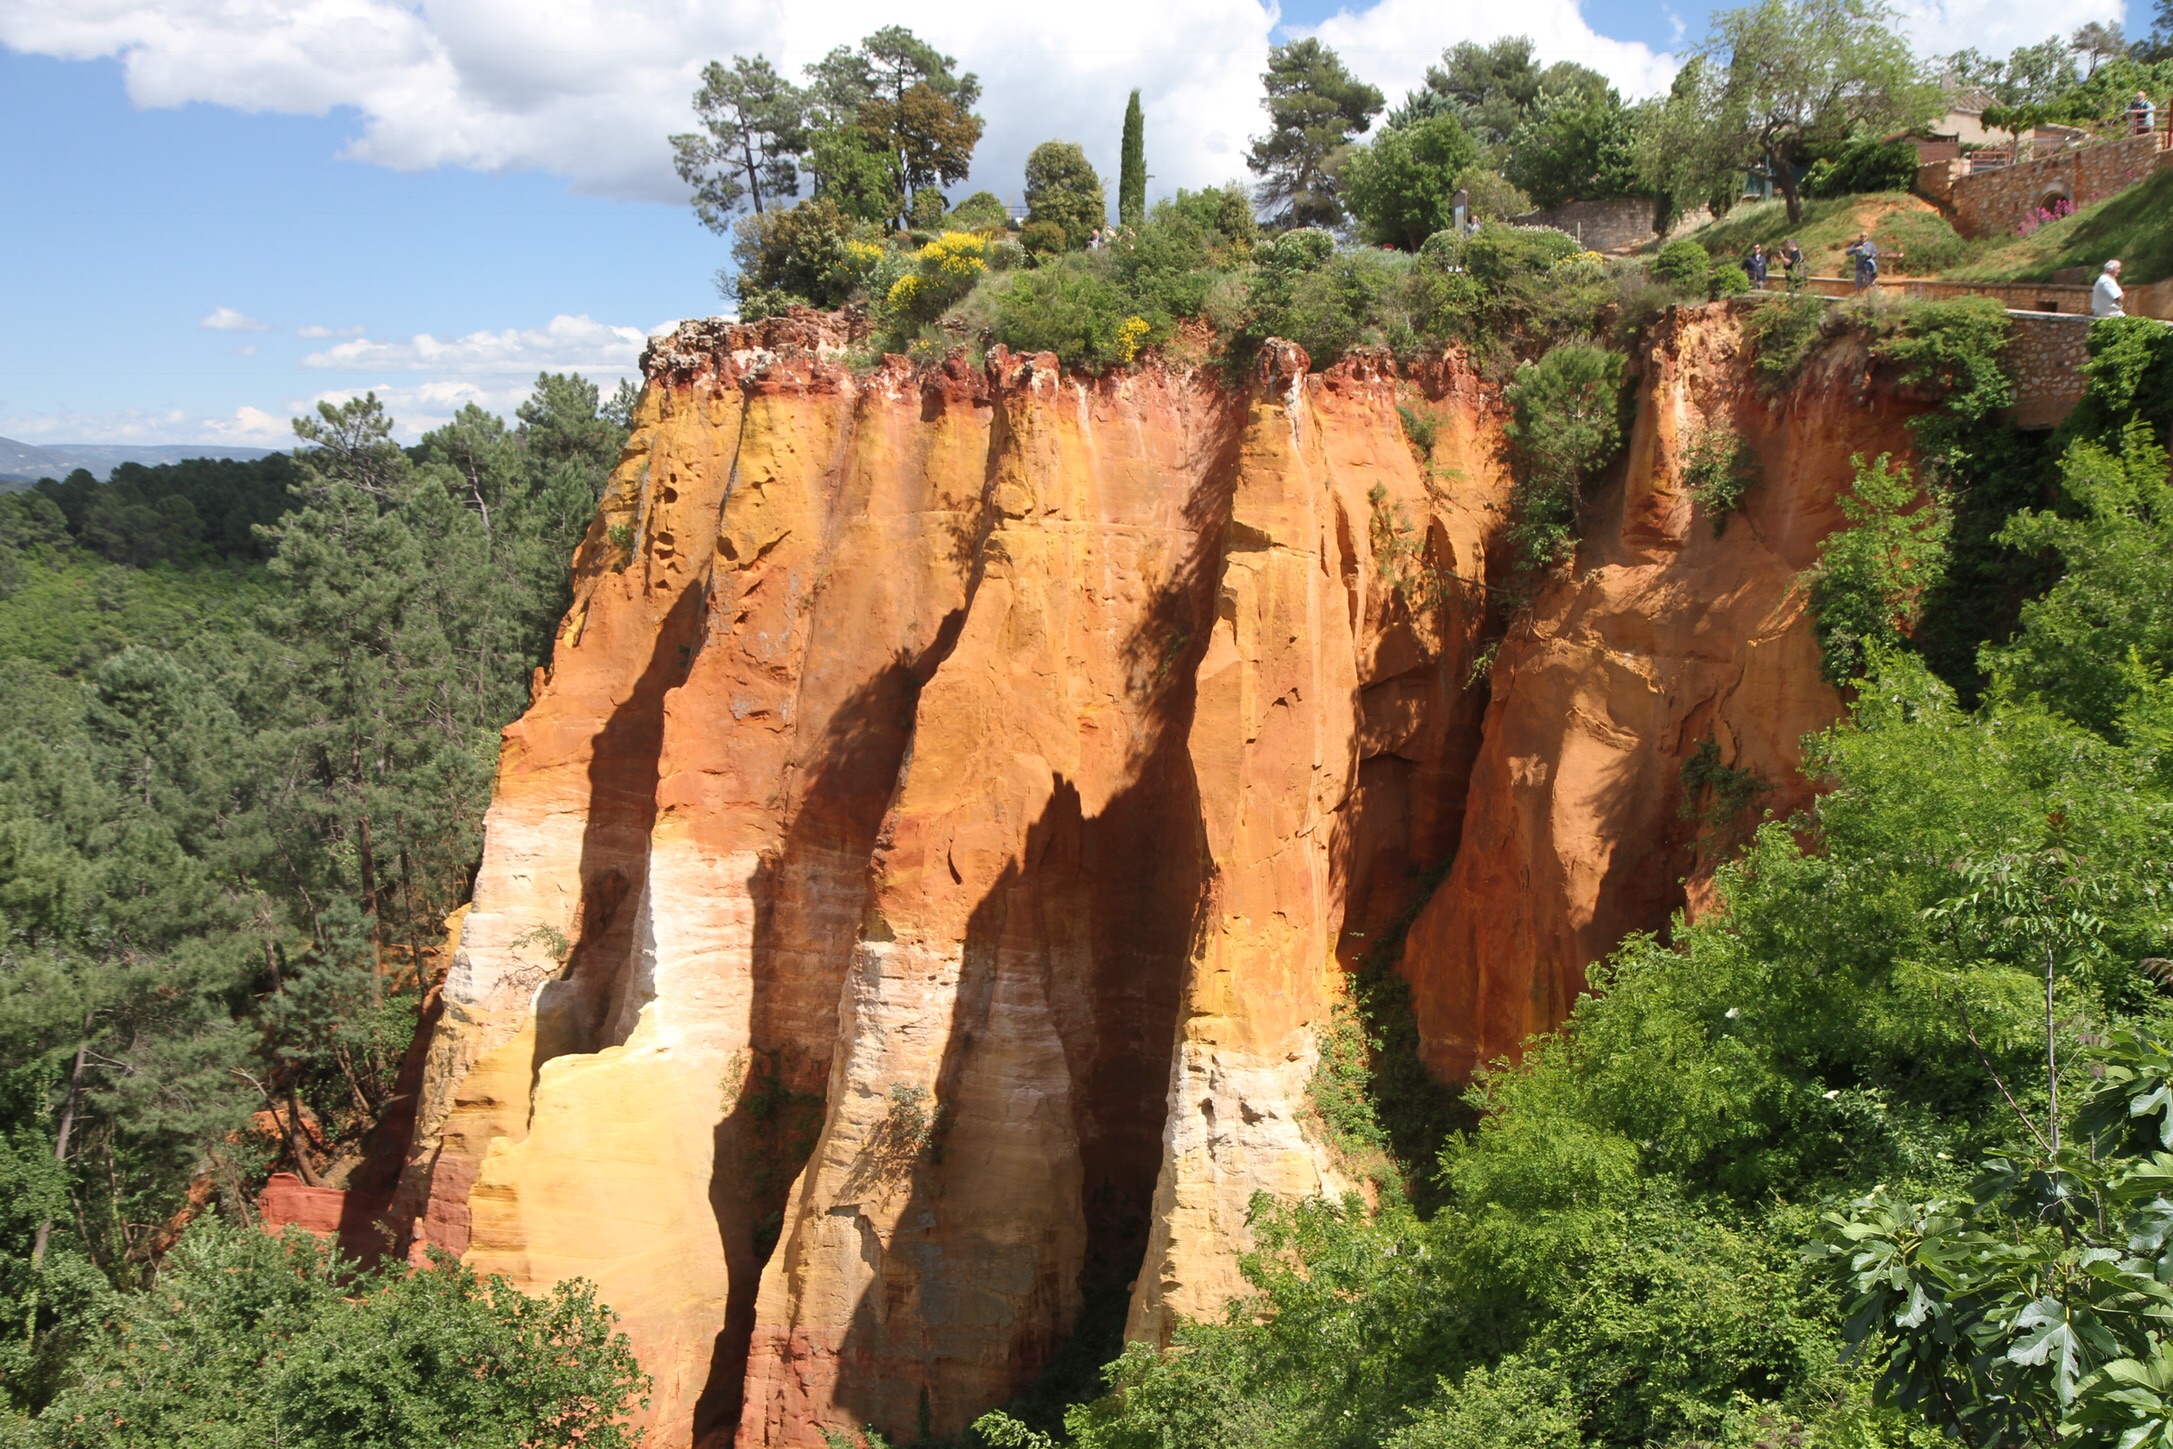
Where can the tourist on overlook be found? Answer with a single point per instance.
(1754, 267)
(2105, 297)
(2142, 115)
(1792, 264)
(1865, 253)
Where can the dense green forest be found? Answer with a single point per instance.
(249, 716)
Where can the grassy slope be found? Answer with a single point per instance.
(1828, 226)
(2133, 226)
(2136, 226)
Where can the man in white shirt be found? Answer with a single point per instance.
(2105, 296)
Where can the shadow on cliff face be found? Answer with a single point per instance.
(572, 1010)
(1076, 953)
(809, 897)
(1074, 959)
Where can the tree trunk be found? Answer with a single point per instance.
(1784, 176)
(293, 1125)
(60, 1143)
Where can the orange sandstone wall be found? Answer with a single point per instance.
(911, 904)
(1665, 635)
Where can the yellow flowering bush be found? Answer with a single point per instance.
(939, 274)
(955, 256)
(863, 256)
(1131, 332)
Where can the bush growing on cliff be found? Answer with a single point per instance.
(1784, 332)
(1869, 585)
(800, 255)
(1564, 426)
(1067, 308)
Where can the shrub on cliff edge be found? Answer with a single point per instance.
(1564, 425)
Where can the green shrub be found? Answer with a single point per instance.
(2130, 374)
(1418, 429)
(1868, 586)
(797, 255)
(1307, 292)
(1501, 255)
(1517, 1405)
(1066, 308)
(982, 211)
(1784, 332)
(1951, 350)
(1719, 469)
(1565, 424)
(1043, 238)
(1684, 266)
(251, 1339)
(1728, 280)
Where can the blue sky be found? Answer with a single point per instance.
(210, 221)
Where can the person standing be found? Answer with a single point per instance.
(2142, 115)
(1754, 267)
(1865, 253)
(2106, 296)
(1792, 264)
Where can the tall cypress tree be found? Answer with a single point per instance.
(1132, 170)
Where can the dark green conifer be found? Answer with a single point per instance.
(1132, 169)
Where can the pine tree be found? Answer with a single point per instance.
(1317, 107)
(1132, 169)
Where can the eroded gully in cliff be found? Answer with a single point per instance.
(912, 901)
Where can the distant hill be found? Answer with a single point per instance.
(22, 464)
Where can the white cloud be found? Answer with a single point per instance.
(588, 89)
(1937, 27)
(226, 319)
(249, 426)
(1392, 42)
(246, 426)
(416, 408)
(565, 344)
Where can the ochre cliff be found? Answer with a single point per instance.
(911, 904)
(1669, 633)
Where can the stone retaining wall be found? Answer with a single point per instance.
(2152, 300)
(2045, 359)
(1610, 226)
(1994, 203)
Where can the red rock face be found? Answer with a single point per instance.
(910, 906)
(1666, 636)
